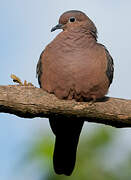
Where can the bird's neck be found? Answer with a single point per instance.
(75, 39)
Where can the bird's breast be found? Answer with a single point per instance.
(79, 71)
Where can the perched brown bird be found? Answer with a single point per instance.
(73, 66)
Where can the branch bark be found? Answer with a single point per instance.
(31, 102)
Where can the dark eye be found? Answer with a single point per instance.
(72, 19)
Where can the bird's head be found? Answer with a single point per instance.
(75, 19)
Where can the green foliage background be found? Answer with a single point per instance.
(95, 160)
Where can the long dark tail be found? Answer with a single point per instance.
(67, 133)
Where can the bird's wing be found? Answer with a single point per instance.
(39, 68)
(110, 65)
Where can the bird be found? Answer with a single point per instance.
(73, 66)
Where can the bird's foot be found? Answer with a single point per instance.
(93, 100)
(18, 80)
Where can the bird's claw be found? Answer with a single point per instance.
(92, 101)
(18, 80)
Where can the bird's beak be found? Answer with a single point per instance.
(58, 26)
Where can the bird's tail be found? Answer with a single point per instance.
(67, 133)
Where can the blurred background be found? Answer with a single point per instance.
(26, 145)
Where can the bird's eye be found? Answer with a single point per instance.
(72, 19)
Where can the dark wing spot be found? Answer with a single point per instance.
(39, 69)
(110, 66)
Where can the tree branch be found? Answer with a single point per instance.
(31, 102)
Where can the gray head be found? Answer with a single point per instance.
(75, 18)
